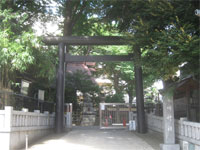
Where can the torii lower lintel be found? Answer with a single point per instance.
(98, 58)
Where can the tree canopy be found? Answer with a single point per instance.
(166, 33)
(21, 51)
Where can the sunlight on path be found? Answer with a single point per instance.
(61, 145)
(95, 139)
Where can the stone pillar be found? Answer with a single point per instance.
(88, 117)
(26, 117)
(168, 122)
(38, 116)
(8, 118)
(68, 116)
(5, 130)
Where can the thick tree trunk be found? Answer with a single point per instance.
(68, 19)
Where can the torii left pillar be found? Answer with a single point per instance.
(60, 86)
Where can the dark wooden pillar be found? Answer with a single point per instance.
(60, 89)
(141, 124)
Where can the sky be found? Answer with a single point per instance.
(47, 28)
(50, 27)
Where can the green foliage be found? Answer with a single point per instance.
(173, 48)
(27, 13)
(82, 82)
(165, 35)
(80, 17)
(21, 52)
(116, 98)
(79, 80)
(15, 50)
(151, 94)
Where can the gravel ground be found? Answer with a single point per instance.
(92, 138)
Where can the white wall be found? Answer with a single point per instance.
(15, 125)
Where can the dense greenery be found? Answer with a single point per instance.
(166, 34)
(22, 54)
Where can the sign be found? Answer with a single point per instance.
(132, 125)
(41, 94)
(24, 87)
(102, 107)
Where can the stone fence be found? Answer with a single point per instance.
(15, 126)
(187, 133)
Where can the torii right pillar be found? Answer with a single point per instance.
(141, 123)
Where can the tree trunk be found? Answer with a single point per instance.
(130, 96)
(68, 19)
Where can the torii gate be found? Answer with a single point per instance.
(64, 57)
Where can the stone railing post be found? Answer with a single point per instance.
(5, 137)
(46, 118)
(8, 118)
(38, 120)
(25, 123)
(53, 119)
(168, 121)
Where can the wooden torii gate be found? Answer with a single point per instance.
(65, 57)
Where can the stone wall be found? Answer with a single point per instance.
(187, 133)
(16, 125)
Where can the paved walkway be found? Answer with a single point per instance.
(81, 138)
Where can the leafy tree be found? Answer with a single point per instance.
(21, 52)
(79, 17)
(16, 50)
(162, 31)
(116, 98)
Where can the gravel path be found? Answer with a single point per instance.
(81, 138)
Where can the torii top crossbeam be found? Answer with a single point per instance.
(86, 40)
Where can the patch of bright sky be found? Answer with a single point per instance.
(50, 27)
(158, 84)
(104, 81)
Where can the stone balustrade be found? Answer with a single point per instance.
(186, 131)
(16, 125)
(32, 119)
